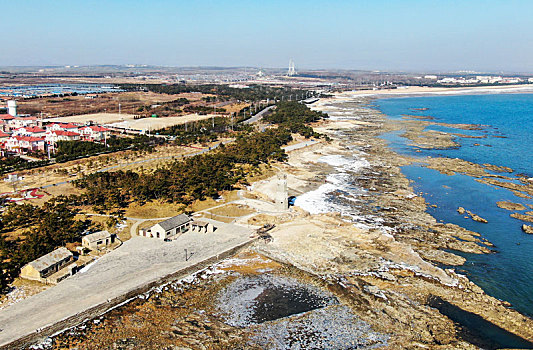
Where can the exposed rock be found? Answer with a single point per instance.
(499, 169)
(510, 205)
(522, 217)
(476, 217)
(526, 187)
(527, 229)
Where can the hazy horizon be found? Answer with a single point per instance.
(409, 36)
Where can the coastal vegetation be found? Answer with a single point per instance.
(69, 150)
(27, 231)
(295, 117)
(39, 231)
(183, 182)
(223, 92)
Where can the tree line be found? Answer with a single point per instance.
(69, 150)
(40, 230)
(187, 180)
(223, 92)
(296, 117)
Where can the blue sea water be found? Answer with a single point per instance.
(506, 274)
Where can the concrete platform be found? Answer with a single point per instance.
(133, 268)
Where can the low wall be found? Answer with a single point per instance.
(100, 309)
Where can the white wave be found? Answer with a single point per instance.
(339, 161)
(317, 202)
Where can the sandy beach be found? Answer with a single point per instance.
(425, 90)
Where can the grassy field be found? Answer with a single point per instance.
(233, 210)
(227, 196)
(74, 105)
(155, 209)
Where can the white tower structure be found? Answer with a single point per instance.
(282, 193)
(12, 108)
(291, 70)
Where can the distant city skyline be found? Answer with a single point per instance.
(410, 35)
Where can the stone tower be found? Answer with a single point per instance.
(282, 193)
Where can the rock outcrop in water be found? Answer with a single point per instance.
(510, 205)
(528, 218)
(527, 229)
(474, 217)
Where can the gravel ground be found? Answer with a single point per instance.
(252, 300)
(283, 313)
(332, 327)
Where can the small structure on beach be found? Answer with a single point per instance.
(97, 240)
(168, 228)
(48, 268)
(202, 227)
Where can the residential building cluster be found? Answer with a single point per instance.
(480, 79)
(26, 134)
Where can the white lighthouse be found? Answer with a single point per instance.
(12, 108)
(282, 193)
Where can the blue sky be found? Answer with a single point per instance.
(373, 34)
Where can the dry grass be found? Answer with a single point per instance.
(233, 210)
(248, 262)
(154, 209)
(235, 107)
(147, 223)
(76, 105)
(125, 233)
(262, 219)
(227, 196)
(265, 172)
(216, 217)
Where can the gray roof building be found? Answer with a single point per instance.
(50, 259)
(174, 222)
(96, 236)
(169, 228)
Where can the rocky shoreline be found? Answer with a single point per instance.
(388, 269)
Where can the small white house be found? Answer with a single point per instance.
(97, 240)
(168, 228)
(52, 136)
(94, 133)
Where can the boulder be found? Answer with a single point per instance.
(527, 229)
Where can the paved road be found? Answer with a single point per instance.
(137, 263)
(258, 116)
